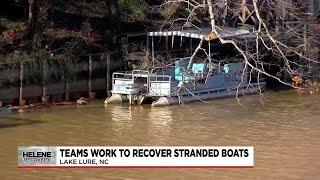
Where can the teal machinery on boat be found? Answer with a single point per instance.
(182, 74)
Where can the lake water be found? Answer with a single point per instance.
(283, 127)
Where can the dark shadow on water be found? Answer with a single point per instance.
(10, 122)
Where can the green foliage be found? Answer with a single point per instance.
(136, 10)
(33, 63)
(66, 66)
(40, 67)
(168, 10)
(10, 24)
(35, 66)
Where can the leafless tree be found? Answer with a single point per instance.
(284, 28)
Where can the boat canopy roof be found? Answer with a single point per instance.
(202, 33)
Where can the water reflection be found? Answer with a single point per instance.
(118, 113)
(152, 122)
(10, 122)
(160, 117)
(160, 121)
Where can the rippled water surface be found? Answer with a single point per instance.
(283, 127)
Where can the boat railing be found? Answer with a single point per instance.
(159, 78)
(120, 75)
(159, 85)
(130, 74)
(140, 72)
(120, 81)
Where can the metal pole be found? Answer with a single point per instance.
(209, 44)
(108, 86)
(90, 74)
(190, 46)
(67, 85)
(152, 39)
(148, 47)
(67, 89)
(167, 44)
(172, 41)
(21, 102)
(44, 81)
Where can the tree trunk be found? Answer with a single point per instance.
(194, 54)
(115, 21)
(31, 18)
(212, 22)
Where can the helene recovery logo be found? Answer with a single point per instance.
(136, 157)
(37, 156)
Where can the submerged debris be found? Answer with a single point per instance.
(305, 86)
(82, 101)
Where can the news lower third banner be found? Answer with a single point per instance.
(135, 157)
